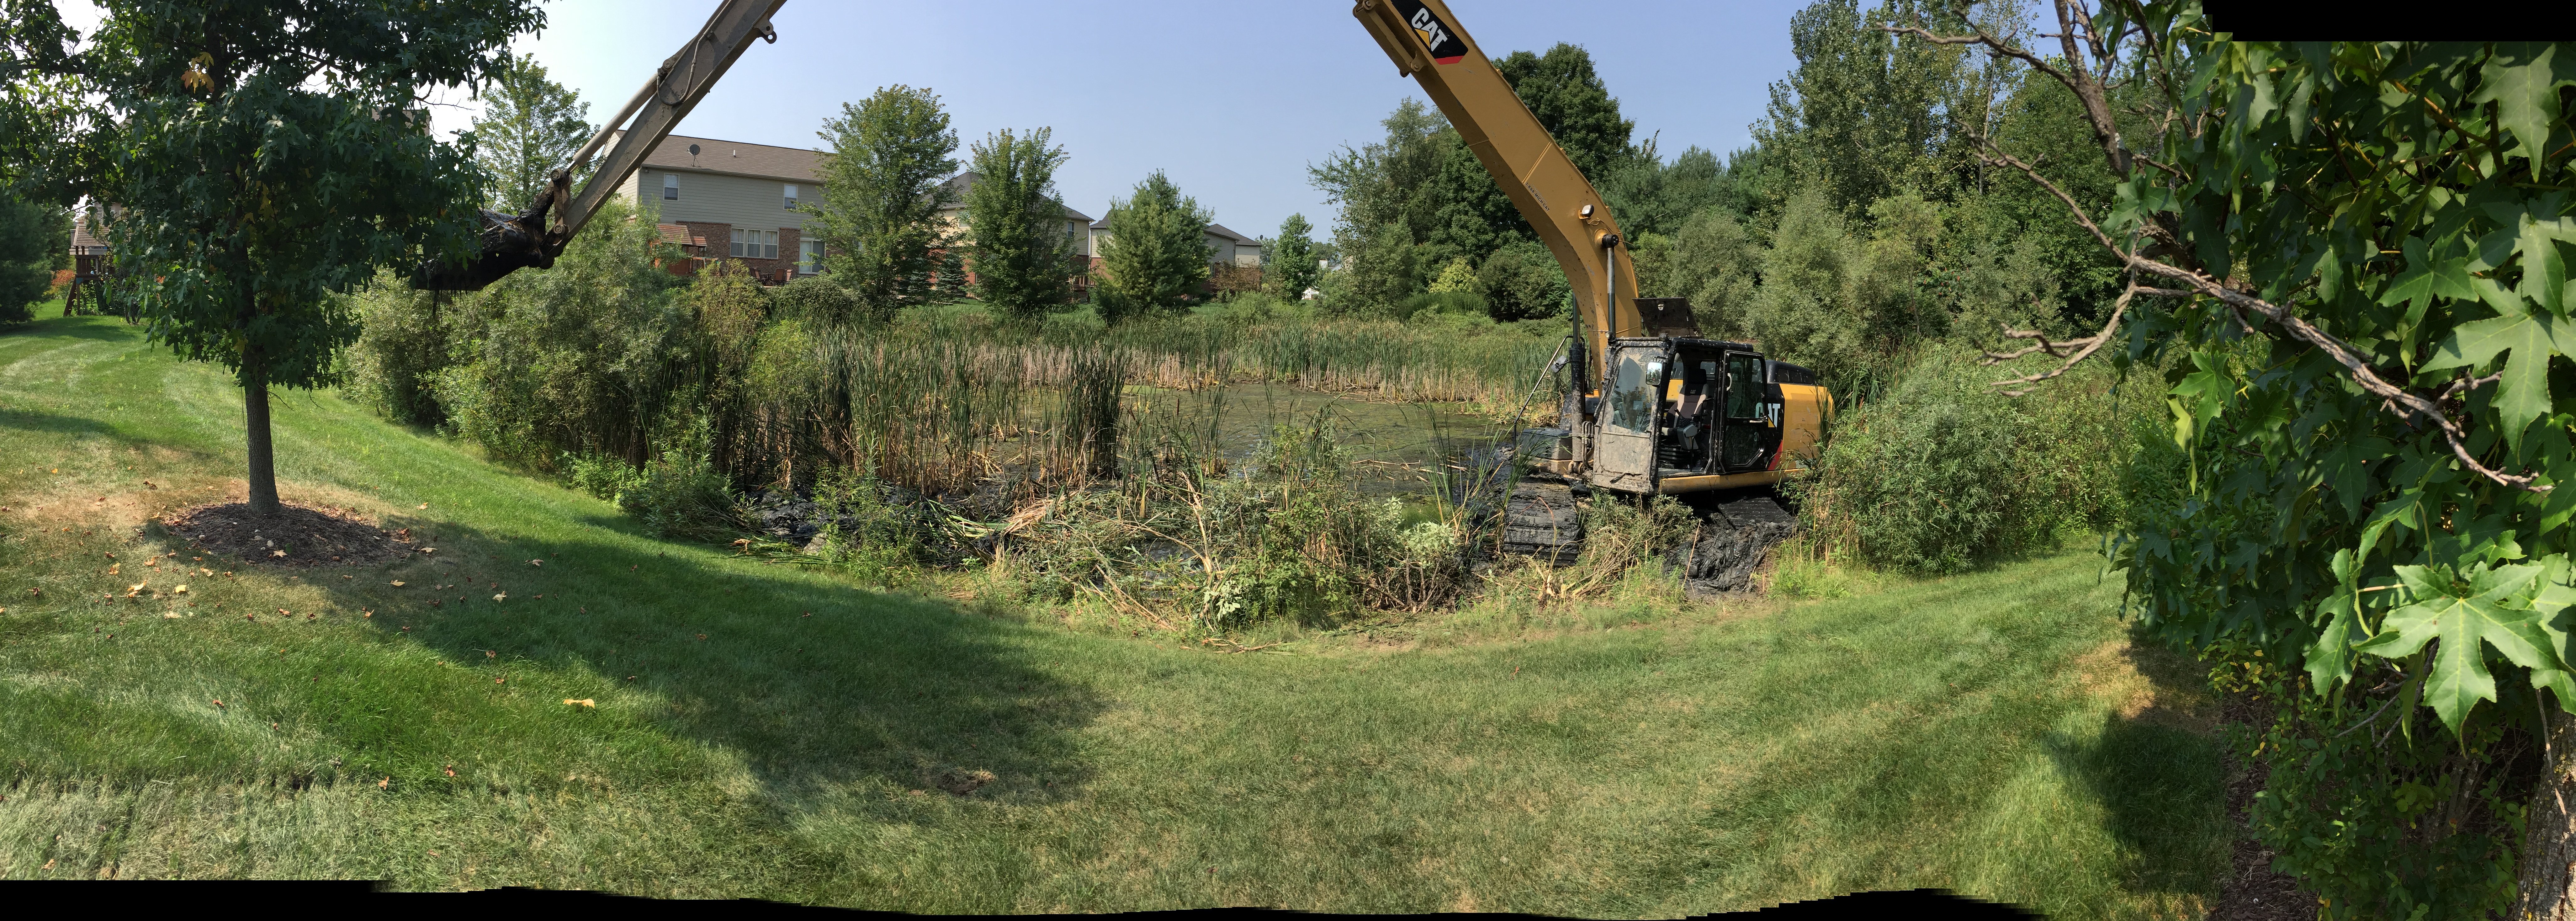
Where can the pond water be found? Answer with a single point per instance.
(1393, 447)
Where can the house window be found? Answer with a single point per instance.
(755, 244)
(791, 198)
(670, 187)
(809, 256)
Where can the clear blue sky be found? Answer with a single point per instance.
(1232, 100)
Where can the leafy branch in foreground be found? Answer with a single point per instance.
(2352, 260)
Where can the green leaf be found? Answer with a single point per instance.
(2523, 394)
(2544, 270)
(2493, 610)
(2330, 660)
(2552, 602)
(2417, 282)
(2525, 94)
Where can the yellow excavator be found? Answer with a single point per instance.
(1651, 407)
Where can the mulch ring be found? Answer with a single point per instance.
(295, 536)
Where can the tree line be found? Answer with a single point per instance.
(1858, 225)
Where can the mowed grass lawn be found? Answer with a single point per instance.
(1994, 734)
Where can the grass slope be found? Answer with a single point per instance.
(1992, 734)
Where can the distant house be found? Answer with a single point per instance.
(1226, 249)
(732, 200)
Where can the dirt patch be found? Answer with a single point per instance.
(962, 782)
(296, 536)
(2253, 891)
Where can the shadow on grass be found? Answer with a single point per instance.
(99, 329)
(822, 690)
(2158, 771)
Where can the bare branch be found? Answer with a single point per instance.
(2085, 346)
(2196, 282)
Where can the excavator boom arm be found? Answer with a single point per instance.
(1425, 41)
(529, 239)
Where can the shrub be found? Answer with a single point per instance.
(681, 494)
(814, 299)
(1944, 472)
(402, 346)
(1521, 281)
(868, 534)
(603, 477)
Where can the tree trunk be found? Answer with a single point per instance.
(263, 456)
(2548, 873)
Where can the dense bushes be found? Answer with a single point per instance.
(1944, 472)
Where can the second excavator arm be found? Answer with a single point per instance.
(1426, 43)
(529, 239)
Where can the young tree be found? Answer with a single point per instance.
(531, 126)
(1291, 259)
(882, 194)
(1023, 252)
(272, 154)
(1157, 253)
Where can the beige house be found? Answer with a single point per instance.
(1225, 247)
(953, 215)
(732, 200)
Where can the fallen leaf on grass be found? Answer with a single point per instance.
(489, 654)
(381, 784)
(504, 596)
(277, 553)
(536, 562)
(424, 506)
(113, 567)
(499, 680)
(587, 702)
(219, 703)
(398, 583)
(451, 772)
(702, 636)
(181, 590)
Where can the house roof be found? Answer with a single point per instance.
(736, 157)
(1220, 231)
(958, 184)
(678, 235)
(84, 240)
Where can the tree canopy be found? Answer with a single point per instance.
(1157, 253)
(259, 158)
(882, 191)
(1023, 250)
(530, 127)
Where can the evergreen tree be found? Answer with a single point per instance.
(882, 192)
(1157, 254)
(1291, 259)
(951, 281)
(1023, 248)
(531, 126)
(34, 239)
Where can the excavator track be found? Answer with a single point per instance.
(1543, 520)
(1736, 533)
